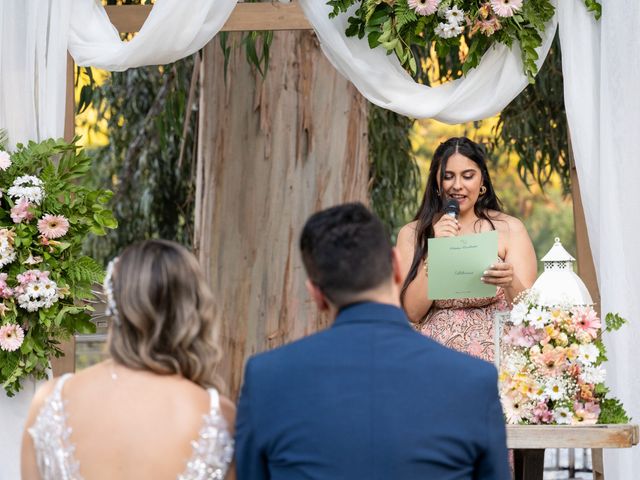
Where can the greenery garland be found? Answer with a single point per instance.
(462, 28)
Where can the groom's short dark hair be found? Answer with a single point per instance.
(346, 251)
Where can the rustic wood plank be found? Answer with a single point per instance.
(597, 461)
(571, 436)
(245, 17)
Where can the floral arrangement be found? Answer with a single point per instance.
(551, 365)
(463, 29)
(45, 280)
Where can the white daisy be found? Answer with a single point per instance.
(538, 318)
(588, 353)
(555, 389)
(562, 416)
(518, 313)
(454, 15)
(593, 374)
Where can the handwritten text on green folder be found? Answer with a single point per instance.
(455, 265)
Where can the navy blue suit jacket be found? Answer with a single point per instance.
(369, 398)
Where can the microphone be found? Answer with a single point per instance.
(452, 208)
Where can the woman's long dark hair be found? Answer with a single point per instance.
(433, 200)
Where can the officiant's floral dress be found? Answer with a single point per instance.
(465, 324)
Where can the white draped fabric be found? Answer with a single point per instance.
(601, 70)
(484, 92)
(601, 74)
(34, 38)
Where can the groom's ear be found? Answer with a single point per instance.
(395, 266)
(317, 296)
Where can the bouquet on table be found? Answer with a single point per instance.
(45, 280)
(551, 365)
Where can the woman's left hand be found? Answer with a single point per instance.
(499, 274)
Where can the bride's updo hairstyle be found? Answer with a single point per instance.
(165, 317)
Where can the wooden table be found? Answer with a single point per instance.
(530, 441)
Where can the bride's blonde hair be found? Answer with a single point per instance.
(166, 318)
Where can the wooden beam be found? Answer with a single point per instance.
(571, 436)
(68, 362)
(70, 104)
(584, 255)
(245, 17)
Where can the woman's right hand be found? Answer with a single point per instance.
(447, 226)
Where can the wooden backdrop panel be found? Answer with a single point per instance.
(271, 152)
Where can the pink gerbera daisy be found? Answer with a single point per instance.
(53, 226)
(586, 319)
(11, 337)
(506, 8)
(424, 7)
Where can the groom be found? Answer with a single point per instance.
(368, 398)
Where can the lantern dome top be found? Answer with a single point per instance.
(558, 253)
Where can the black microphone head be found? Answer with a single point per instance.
(452, 207)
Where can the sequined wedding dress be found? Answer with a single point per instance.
(212, 451)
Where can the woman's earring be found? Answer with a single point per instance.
(483, 190)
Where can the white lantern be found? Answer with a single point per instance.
(558, 284)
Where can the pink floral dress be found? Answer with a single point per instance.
(465, 324)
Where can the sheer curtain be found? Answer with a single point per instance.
(34, 38)
(601, 76)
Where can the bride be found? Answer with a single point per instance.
(151, 411)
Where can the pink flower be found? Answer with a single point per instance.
(542, 414)
(53, 226)
(587, 413)
(20, 211)
(5, 291)
(31, 276)
(424, 7)
(5, 160)
(11, 337)
(506, 8)
(523, 337)
(586, 319)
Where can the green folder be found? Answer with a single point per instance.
(455, 265)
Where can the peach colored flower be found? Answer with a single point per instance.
(551, 361)
(53, 226)
(586, 392)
